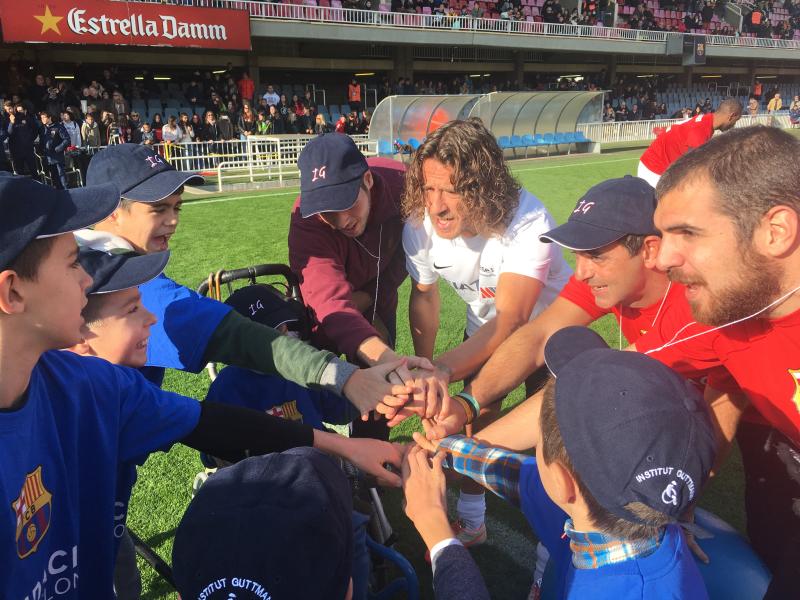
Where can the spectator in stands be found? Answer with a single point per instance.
(305, 122)
(217, 105)
(351, 125)
(341, 124)
(22, 133)
(707, 107)
(135, 123)
(227, 130)
(635, 114)
(794, 112)
(363, 123)
(186, 133)
(277, 121)
(197, 126)
(148, 135)
(118, 104)
(622, 112)
(246, 87)
(271, 97)
(320, 125)
(210, 131)
(194, 93)
(308, 101)
(90, 131)
(123, 129)
(297, 106)
(246, 122)
(53, 142)
(156, 124)
(263, 126)
(284, 108)
(609, 115)
(233, 108)
(752, 106)
(775, 104)
(72, 129)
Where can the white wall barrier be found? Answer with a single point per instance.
(636, 131)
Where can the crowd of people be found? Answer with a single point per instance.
(758, 21)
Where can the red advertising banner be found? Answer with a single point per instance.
(131, 23)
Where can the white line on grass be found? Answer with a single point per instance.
(227, 199)
(584, 164)
(293, 190)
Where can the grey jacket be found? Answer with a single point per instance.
(456, 576)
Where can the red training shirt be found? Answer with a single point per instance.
(763, 356)
(676, 141)
(637, 323)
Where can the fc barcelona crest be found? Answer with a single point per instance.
(795, 373)
(33, 509)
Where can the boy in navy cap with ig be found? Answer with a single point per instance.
(192, 330)
(625, 445)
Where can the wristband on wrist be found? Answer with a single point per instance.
(472, 402)
(468, 410)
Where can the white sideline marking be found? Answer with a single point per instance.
(585, 164)
(294, 190)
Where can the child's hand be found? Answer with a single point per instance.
(425, 443)
(371, 456)
(426, 503)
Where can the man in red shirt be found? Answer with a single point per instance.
(678, 139)
(247, 87)
(345, 245)
(730, 218)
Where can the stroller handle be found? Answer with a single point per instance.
(252, 273)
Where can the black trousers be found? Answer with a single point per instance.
(772, 503)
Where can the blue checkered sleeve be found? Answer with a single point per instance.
(495, 469)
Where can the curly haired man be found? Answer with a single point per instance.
(470, 223)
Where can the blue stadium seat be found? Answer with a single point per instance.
(414, 143)
(581, 138)
(549, 139)
(335, 116)
(345, 109)
(504, 141)
(516, 142)
(539, 139)
(385, 148)
(529, 142)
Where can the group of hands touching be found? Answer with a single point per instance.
(418, 387)
(415, 387)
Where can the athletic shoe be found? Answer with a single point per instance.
(468, 537)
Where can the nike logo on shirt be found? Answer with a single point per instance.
(435, 266)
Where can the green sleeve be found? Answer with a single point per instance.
(245, 343)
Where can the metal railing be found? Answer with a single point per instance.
(636, 131)
(349, 16)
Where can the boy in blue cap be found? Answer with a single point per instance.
(625, 445)
(191, 330)
(68, 422)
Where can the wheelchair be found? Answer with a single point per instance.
(391, 573)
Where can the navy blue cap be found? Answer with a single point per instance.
(33, 210)
(141, 174)
(607, 212)
(277, 526)
(113, 272)
(263, 304)
(331, 170)
(634, 429)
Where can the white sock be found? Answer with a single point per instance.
(471, 509)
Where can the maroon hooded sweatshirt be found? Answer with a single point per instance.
(331, 266)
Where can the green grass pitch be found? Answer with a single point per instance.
(241, 229)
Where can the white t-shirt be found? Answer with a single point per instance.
(473, 265)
